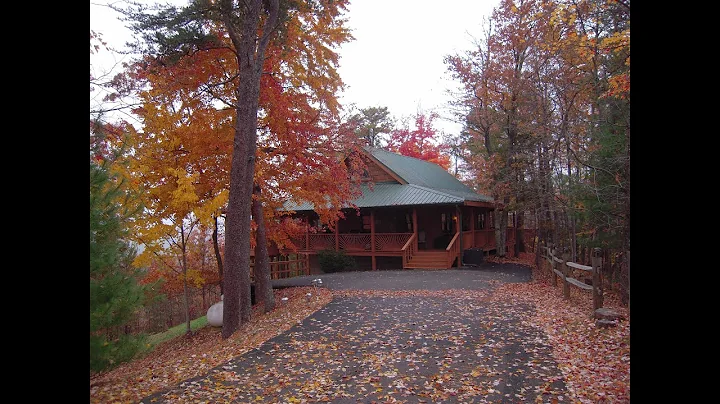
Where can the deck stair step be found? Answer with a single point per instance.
(428, 260)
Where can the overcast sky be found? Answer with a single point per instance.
(396, 59)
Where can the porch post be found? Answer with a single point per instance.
(472, 225)
(415, 229)
(372, 238)
(459, 229)
(307, 232)
(337, 235)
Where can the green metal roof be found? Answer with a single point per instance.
(427, 184)
(419, 172)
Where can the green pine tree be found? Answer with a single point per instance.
(115, 293)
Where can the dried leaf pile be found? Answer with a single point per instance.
(186, 357)
(595, 361)
(370, 362)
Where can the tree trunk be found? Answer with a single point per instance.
(263, 284)
(186, 303)
(218, 256)
(519, 239)
(501, 222)
(250, 53)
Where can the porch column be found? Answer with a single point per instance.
(372, 238)
(307, 232)
(415, 229)
(337, 236)
(459, 229)
(472, 225)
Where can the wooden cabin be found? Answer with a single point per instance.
(415, 215)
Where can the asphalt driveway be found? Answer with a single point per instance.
(422, 347)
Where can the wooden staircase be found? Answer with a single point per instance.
(428, 260)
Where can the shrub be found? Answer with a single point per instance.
(335, 261)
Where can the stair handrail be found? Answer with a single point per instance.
(453, 250)
(408, 250)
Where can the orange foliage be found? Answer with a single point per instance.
(184, 154)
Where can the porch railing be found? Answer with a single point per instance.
(286, 268)
(453, 250)
(355, 242)
(485, 238)
(408, 251)
(317, 242)
(391, 241)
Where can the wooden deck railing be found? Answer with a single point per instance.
(391, 241)
(319, 242)
(286, 268)
(453, 250)
(408, 251)
(354, 242)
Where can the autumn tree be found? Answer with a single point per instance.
(423, 141)
(235, 38)
(545, 96)
(598, 42)
(498, 79)
(174, 162)
(177, 273)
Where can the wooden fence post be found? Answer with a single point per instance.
(565, 270)
(628, 275)
(553, 265)
(597, 280)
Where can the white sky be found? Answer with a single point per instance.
(396, 59)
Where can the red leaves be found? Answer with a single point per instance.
(421, 142)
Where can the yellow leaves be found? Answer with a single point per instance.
(213, 207)
(184, 195)
(143, 260)
(195, 277)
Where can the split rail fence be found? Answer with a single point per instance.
(567, 271)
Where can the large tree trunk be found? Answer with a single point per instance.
(263, 284)
(501, 224)
(250, 52)
(186, 303)
(218, 256)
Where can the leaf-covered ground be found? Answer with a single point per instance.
(521, 342)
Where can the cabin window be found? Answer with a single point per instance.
(466, 222)
(446, 222)
(366, 222)
(481, 221)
